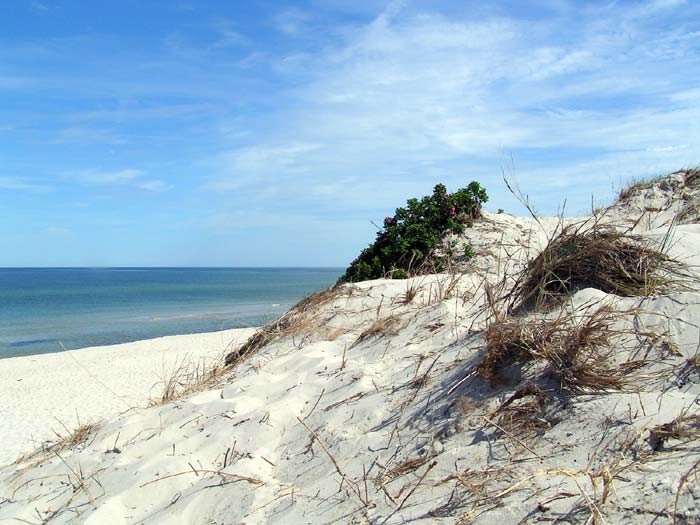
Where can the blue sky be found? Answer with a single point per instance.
(272, 133)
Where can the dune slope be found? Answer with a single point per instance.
(442, 398)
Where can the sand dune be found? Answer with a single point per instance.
(438, 399)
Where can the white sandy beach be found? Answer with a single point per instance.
(48, 393)
(369, 403)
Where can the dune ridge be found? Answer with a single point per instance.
(444, 398)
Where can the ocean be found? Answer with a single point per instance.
(42, 309)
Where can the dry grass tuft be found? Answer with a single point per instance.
(637, 186)
(600, 257)
(68, 441)
(692, 177)
(683, 428)
(77, 437)
(188, 377)
(576, 347)
(525, 412)
(510, 342)
(411, 292)
(381, 327)
(303, 318)
(410, 465)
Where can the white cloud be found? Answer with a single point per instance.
(107, 177)
(292, 21)
(60, 232)
(22, 184)
(85, 135)
(153, 185)
(128, 177)
(248, 166)
(653, 6)
(411, 97)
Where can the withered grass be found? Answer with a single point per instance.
(598, 257)
(381, 327)
(188, 377)
(68, 441)
(684, 428)
(303, 318)
(577, 349)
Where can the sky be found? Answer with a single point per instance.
(272, 133)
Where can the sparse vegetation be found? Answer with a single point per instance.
(600, 257)
(187, 377)
(407, 240)
(68, 441)
(525, 412)
(684, 428)
(411, 292)
(577, 349)
(381, 327)
(301, 318)
(636, 186)
(469, 252)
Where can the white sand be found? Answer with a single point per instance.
(47, 393)
(406, 427)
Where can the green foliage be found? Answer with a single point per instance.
(408, 239)
(469, 252)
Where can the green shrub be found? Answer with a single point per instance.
(469, 252)
(408, 239)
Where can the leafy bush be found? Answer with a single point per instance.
(408, 239)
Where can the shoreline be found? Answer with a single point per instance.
(45, 394)
(110, 345)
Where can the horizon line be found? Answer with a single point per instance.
(170, 267)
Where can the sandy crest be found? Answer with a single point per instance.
(47, 393)
(366, 407)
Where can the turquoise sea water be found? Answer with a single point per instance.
(81, 307)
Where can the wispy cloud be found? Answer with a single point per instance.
(292, 21)
(85, 135)
(128, 177)
(317, 116)
(107, 177)
(39, 6)
(153, 185)
(228, 35)
(23, 184)
(414, 95)
(60, 232)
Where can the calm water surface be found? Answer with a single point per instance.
(81, 307)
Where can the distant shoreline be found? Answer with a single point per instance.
(110, 345)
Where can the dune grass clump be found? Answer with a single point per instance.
(381, 327)
(691, 179)
(525, 412)
(406, 242)
(510, 342)
(600, 257)
(300, 319)
(576, 349)
(72, 439)
(187, 377)
(684, 428)
(636, 186)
